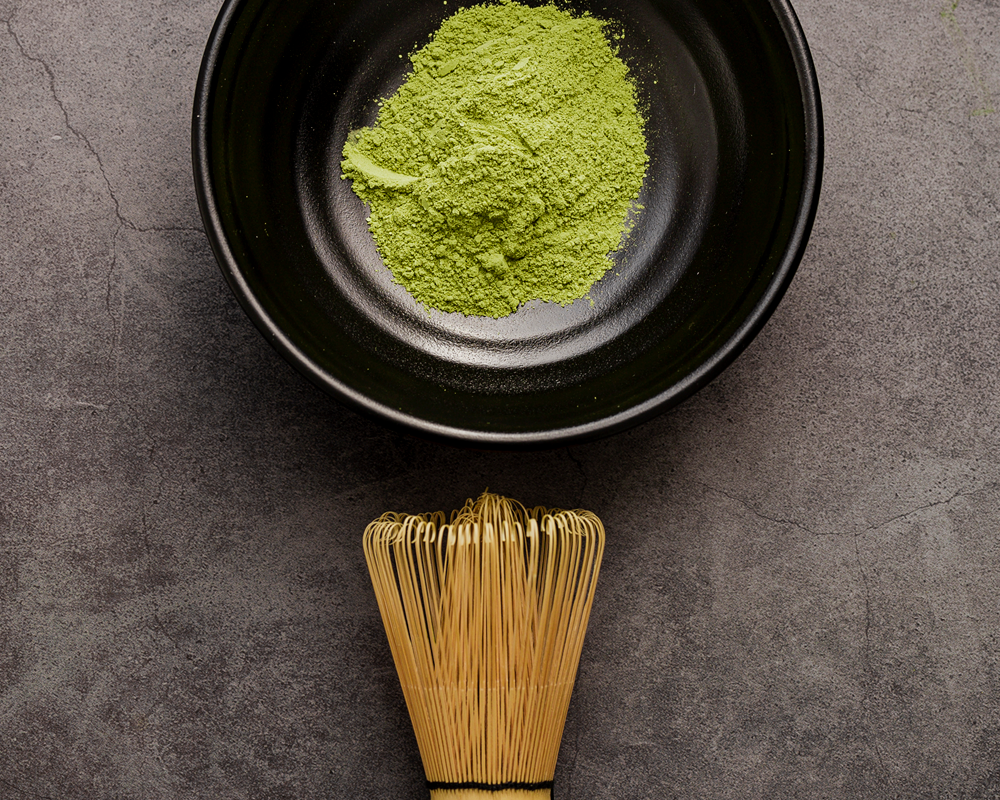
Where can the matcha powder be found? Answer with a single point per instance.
(505, 168)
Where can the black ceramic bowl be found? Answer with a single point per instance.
(735, 140)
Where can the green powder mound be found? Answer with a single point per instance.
(505, 168)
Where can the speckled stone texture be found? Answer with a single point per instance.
(800, 596)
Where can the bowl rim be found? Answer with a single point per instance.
(670, 397)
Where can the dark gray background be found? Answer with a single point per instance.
(800, 595)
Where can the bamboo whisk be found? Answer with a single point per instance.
(485, 616)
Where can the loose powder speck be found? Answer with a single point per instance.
(505, 168)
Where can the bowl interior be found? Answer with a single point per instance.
(734, 137)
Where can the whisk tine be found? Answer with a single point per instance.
(485, 616)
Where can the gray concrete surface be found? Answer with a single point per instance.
(800, 596)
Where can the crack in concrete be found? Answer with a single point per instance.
(851, 74)
(868, 666)
(124, 223)
(866, 658)
(866, 655)
(757, 512)
(925, 507)
(108, 284)
(152, 446)
(80, 135)
(123, 220)
(873, 527)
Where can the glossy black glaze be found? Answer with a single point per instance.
(735, 138)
